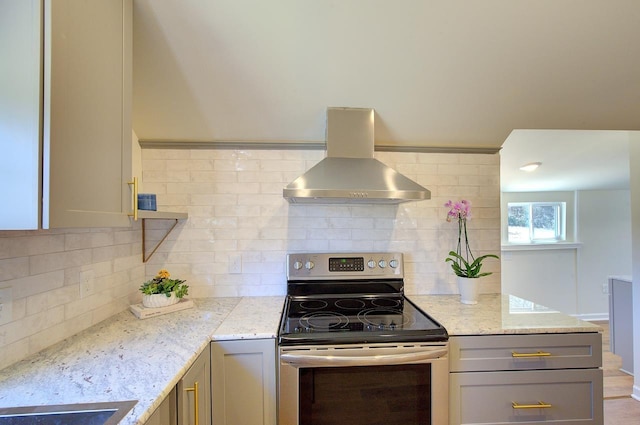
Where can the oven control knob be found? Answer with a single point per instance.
(371, 264)
(393, 264)
(381, 326)
(297, 265)
(382, 264)
(309, 265)
(392, 326)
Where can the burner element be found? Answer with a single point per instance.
(324, 321)
(313, 304)
(386, 302)
(384, 319)
(350, 304)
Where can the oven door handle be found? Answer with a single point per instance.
(320, 360)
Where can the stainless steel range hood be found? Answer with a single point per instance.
(349, 173)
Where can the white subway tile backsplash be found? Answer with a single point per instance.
(237, 215)
(44, 273)
(13, 268)
(36, 284)
(53, 298)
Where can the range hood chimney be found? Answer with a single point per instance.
(349, 173)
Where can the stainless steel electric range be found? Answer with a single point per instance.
(347, 330)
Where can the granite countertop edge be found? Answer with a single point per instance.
(117, 359)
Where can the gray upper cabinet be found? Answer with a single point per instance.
(78, 125)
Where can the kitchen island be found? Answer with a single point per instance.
(124, 358)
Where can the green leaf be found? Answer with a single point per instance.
(469, 270)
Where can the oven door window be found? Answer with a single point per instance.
(365, 395)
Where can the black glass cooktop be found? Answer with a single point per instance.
(356, 319)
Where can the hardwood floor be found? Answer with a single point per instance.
(619, 407)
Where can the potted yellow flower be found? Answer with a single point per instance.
(162, 291)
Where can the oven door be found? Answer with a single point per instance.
(403, 384)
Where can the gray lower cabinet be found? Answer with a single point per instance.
(189, 403)
(541, 379)
(166, 413)
(243, 379)
(193, 392)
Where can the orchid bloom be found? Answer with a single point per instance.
(458, 210)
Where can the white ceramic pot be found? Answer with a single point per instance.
(469, 290)
(159, 300)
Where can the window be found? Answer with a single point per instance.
(531, 222)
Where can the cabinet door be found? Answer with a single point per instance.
(166, 413)
(243, 380)
(87, 113)
(194, 392)
(20, 47)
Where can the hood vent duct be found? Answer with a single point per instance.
(349, 173)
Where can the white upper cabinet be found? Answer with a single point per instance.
(20, 108)
(83, 114)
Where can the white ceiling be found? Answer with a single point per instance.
(571, 160)
(453, 73)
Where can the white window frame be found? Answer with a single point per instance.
(560, 209)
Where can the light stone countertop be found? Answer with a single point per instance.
(124, 358)
(498, 314)
(252, 318)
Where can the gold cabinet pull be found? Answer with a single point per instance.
(540, 405)
(194, 389)
(536, 354)
(135, 198)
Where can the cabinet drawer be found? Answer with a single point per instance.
(525, 352)
(573, 397)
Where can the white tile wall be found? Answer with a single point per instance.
(238, 232)
(43, 269)
(240, 227)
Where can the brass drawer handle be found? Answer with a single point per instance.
(196, 412)
(536, 354)
(540, 405)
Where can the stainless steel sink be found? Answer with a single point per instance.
(108, 413)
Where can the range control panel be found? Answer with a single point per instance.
(323, 266)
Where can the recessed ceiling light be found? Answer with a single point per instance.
(531, 166)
